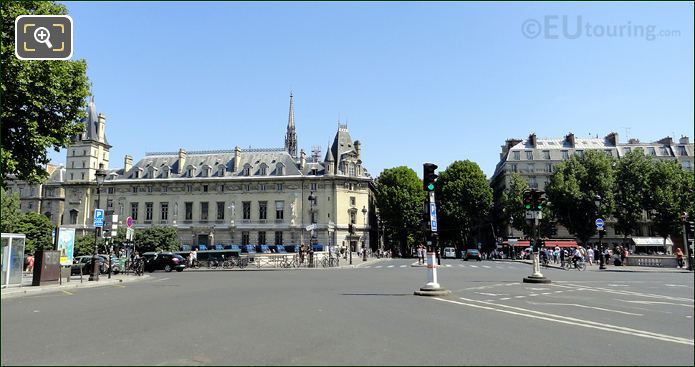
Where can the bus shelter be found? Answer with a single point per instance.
(12, 259)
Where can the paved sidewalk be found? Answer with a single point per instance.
(27, 289)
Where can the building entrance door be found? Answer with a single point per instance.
(203, 240)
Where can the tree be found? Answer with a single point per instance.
(42, 101)
(400, 199)
(38, 230)
(11, 215)
(670, 196)
(512, 203)
(157, 239)
(84, 245)
(633, 172)
(573, 188)
(464, 200)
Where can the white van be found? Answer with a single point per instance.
(449, 252)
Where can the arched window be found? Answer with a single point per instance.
(263, 170)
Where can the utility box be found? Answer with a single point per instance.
(46, 267)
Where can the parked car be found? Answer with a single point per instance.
(85, 263)
(449, 252)
(166, 261)
(472, 254)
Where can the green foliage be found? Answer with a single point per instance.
(10, 215)
(400, 198)
(157, 239)
(42, 101)
(573, 188)
(632, 191)
(671, 190)
(84, 245)
(512, 203)
(464, 200)
(38, 229)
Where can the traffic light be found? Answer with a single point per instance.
(528, 200)
(429, 177)
(538, 200)
(351, 228)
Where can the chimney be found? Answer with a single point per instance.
(358, 147)
(127, 163)
(532, 140)
(667, 140)
(684, 140)
(182, 160)
(302, 160)
(237, 159)
(613, 139)
(102, 127)
(570, 139)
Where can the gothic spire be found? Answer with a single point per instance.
(291, 135)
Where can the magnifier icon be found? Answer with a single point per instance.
(42, 35)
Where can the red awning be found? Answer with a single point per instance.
(549, 243)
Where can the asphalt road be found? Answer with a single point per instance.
(363, 316)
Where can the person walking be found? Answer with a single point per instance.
(590, 256)
(679, 257)
(30, 263)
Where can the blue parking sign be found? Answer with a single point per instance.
(98, 217)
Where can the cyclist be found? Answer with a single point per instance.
(576, 257)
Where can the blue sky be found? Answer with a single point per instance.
(415, 82)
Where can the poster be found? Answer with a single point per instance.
(66, 245)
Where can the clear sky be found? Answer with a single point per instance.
(415, 82)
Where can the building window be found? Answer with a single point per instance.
(264, 170)
(651, 151)
(109, 190)
(164, 211)
(135, 189)
(164, 189)
(73, 216)
(532, 168)
(565, 154)
(352, 217)
(313, 186)
(72, 177)
(682, 151)
(204, 210)
(149, 188)
(220, 210)
(220, 170)
(134, 211)
(189, 211)
(262, 210)
(532, 182)
(351, 170)
(247, 187)
(280, 170)
(109, 204)
(83, 164)
(83, 176)
(515, 168)
(136, 174)
(278, 237)
(353, 200)
(31, 205)
(205, 188)
(261, 238)
(278, 187)
(663, 151)
(148, 211)
(609, 152)
(280, 210)
(245, 238)
(517, 155)
(626, 150)
(220, 188)
(546, 154)
(189, 188)
(247, 170)
(549, 168)
(246, 210)
(261, 187)
(529, 155)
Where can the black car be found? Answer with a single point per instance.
(84, 264)
(166, 261)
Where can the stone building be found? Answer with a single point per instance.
(236, 196)
(534, 159)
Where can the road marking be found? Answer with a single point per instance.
(68, 293)
(485, 266)
(491, 294)
(656, 303)
(504, 299)
(585, 306)
(119, 286)
(402, 266)
(448, 265)
(519, 296)
(532, 294)
(161, 280)
(569, 320)
(378, 266)
(390, 266)
(368, 266)
(675, 285)
(474, 266)
(618, 285)
(546, 293)
(627, 293)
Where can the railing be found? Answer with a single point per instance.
(652, 261)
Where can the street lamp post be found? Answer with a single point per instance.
(511, 234)
(312, 200)
(100, 175)
(684, 221)
(364, 235)
(601, 258)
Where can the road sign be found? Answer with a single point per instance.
(129, 234)
(98, 217)
(311, 227)
(129, 222)
(433, 224)
(599, 223)
(433, 216)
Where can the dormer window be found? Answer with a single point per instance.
(137, 173)
(152, 172)
(207, 170)
(247, 170)
(191, 171)
(352, 170)
(264, 170)
(220, 170)
(165, 171)
(280, 169)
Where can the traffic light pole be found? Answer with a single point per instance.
(432, 287)
(536, 276)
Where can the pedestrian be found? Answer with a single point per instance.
(679, 257)
(623, 256)
(590, 256)
(302, 249)
(607, 255)
(30, 263)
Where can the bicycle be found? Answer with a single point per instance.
(579, 265)
(213, 263)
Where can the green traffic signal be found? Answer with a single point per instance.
(430, 187)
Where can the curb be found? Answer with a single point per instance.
(30, 290)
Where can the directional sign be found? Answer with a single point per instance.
(311, 227)
(599, 223)
(433, 216)
(98, 217)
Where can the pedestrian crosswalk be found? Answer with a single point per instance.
(478, 266)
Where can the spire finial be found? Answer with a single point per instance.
(291, 135)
